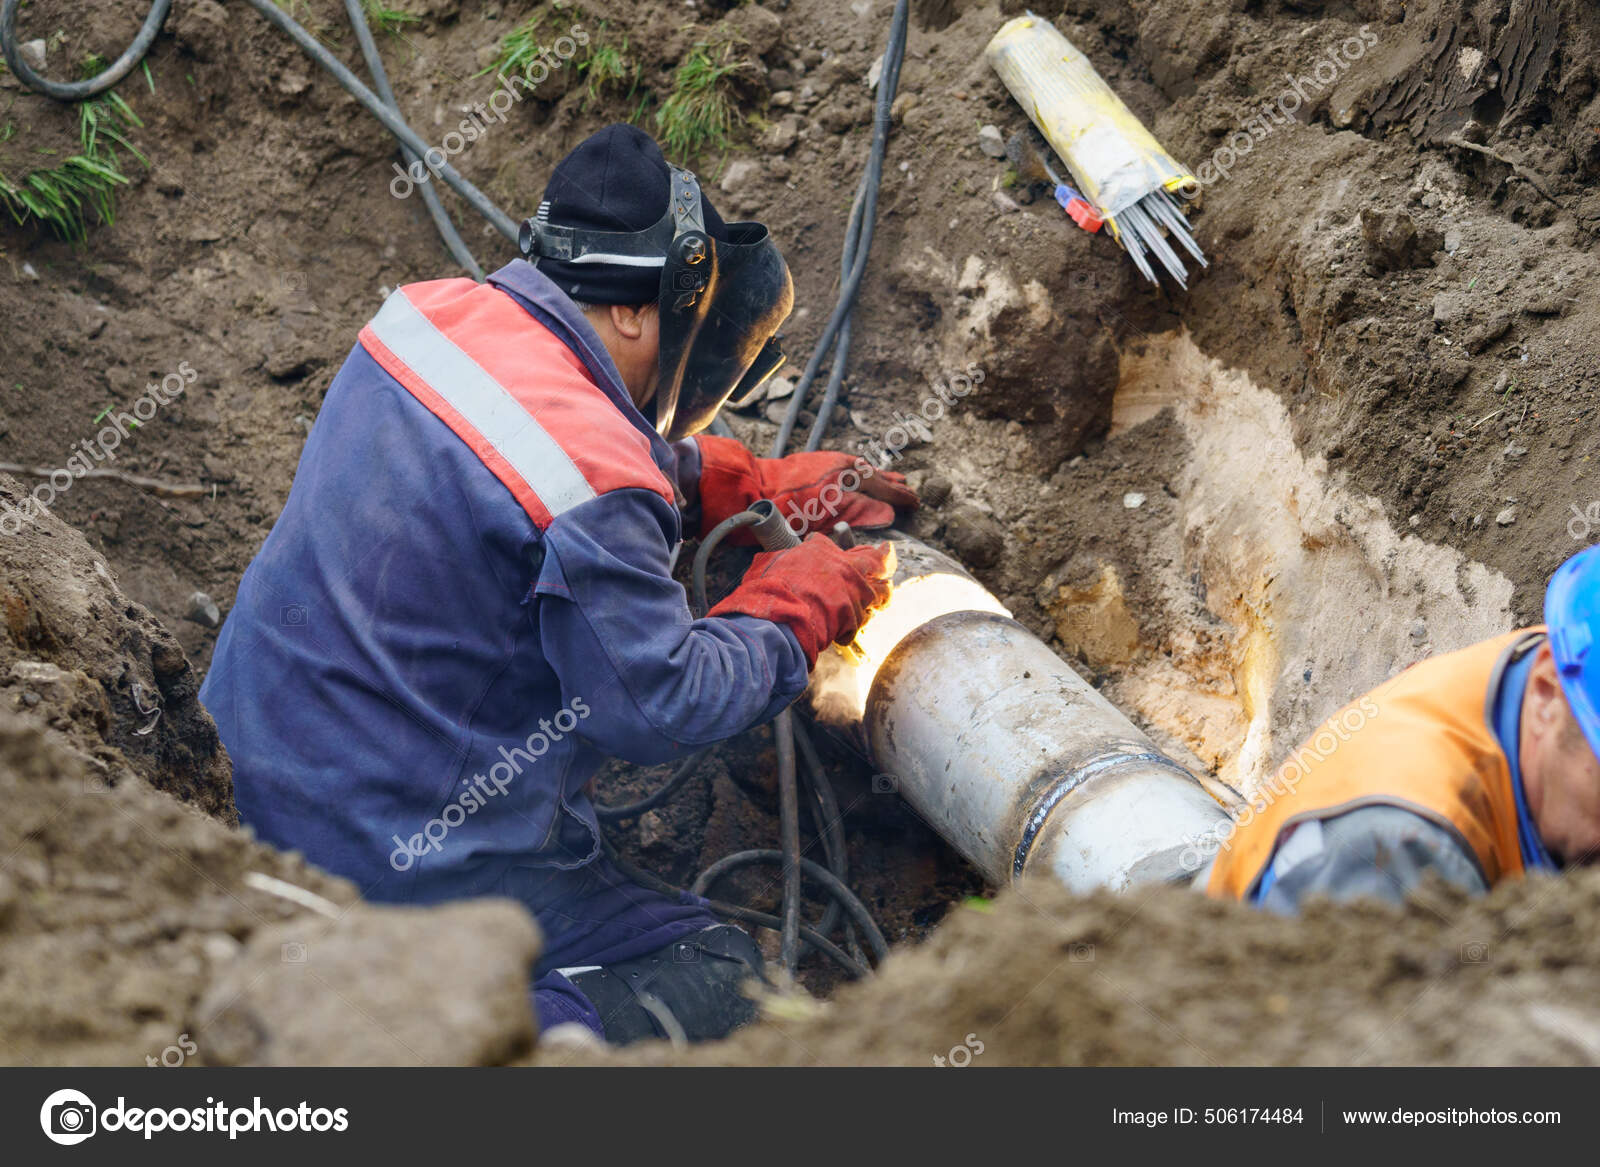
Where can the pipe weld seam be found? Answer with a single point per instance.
(1070, 782)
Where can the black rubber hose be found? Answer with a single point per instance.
(654, 882)
(789, 840)
(685, 771)
(702, 555)
(830, 882)
(94, 86)
(783, 738)
(888, 83)
(830, 829)
(841, 348)
(430, 197)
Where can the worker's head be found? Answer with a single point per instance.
(687, 305)
(1560, 746)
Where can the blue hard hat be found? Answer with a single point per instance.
(1572, 613)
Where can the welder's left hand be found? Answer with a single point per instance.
(811, 491)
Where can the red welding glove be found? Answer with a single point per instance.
(811, 491)
(819, 590)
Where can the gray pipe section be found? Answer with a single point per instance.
(1007, 753)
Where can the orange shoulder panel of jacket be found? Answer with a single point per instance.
(547, 379)
(1421, 740)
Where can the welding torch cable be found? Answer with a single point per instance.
(784, 732)
(727, 911)
(687, 768)
(829, 823)
(680, 777)
(783, 738)
(308, 44)
(829, 882)
(789, 840)
(702, 555)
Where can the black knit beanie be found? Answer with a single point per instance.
(614, 180)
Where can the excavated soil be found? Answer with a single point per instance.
(1365, 434)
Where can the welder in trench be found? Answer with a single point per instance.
(468, 603)
(1477, 766)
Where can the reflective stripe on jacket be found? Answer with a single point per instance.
(1422, 742)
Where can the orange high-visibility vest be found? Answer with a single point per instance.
(1421, 741)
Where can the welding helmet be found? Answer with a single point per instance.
(1572, 616)
(721, 299)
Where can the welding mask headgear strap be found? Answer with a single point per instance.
(720, 301)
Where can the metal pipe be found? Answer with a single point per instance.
(995, 741)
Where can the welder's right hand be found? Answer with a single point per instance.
(819, 590)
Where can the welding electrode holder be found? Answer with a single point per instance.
(772, 530)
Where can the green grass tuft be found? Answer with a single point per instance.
(385, 19)
(520, 49)
(608, 69)
(63, 197)
(699, 112)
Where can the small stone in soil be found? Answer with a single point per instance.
(203, 610)
(975, 537)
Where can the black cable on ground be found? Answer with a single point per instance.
(789, 837)
(829, 820)
(392, 121)
(655, 883)
(78, 90)
(380, 82)
(680, 777)
(888, 83)
(847, 898)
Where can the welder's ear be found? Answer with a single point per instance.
(634, 321)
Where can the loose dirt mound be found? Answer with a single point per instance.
(1040, 979)
(98, 666)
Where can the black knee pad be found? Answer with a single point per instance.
(693, 988)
